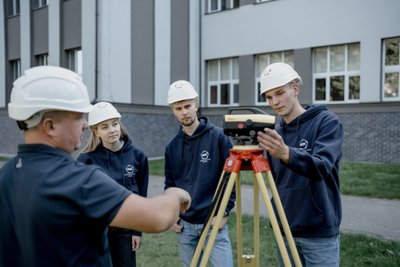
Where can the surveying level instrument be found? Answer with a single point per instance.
(246, 155)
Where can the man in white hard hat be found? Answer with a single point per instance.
(54, 211)
(304, 153)
(194, 161)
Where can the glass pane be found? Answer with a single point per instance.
(337, 59)
(275, 57)
(320, 60)
(353, 52)
(320, 89)
(392, 84)
(289, 58)
(261, 98)
(337, 88)
(224, 4)
(236, 93)
(235, 68)
(213, 70)
(71, 60)
(225, 69)
(10, 9)
(224, 94)
(214, 94)
(213, 5)
(261, 63)
(17, 7)
(392, 51)
(354, 87)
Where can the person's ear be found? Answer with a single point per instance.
(296, 89)
(48, 126)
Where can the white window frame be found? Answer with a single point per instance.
(42, 60)
(286, 56)
(231, 82)
(390, 69)
(230, 5)
(329, 74)
(40, 3)
(74, 60)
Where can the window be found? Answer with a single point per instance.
(15, 69)
(13, 7)
(262, 61)
(391, 69)
(74, 60)
(223, 81)
(42, 60)
(220, 5)
(39, 3)
(336, 73)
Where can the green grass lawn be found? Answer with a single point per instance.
(356, 250)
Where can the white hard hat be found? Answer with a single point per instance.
(276, 75)
(102, 111)
(181, 90)
(47, 88)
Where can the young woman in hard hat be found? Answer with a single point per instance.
(110, 147)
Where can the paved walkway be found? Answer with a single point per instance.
(371, 216)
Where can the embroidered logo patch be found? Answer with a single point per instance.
(303, 144)
(204, 156)
(130, 171)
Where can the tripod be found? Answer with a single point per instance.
(247, 157)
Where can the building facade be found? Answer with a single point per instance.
(128, 52)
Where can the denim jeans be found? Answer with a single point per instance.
(120, 242)
(221, 253)
(316, 252)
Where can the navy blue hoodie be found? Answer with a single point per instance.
(128, 166)
(195, 163)
(309, 185)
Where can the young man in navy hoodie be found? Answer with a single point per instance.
(194, 161)
(304, 153)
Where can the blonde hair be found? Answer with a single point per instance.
(94, 141)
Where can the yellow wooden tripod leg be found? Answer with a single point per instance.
(239, 225)
(256, 224)
(200, 244)
(273, 220)
(284, 221)
(218, 219)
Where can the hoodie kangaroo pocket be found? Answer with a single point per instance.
(301, 210)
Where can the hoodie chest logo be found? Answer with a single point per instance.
(204, 156)
(303, 144)
(130, 171)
